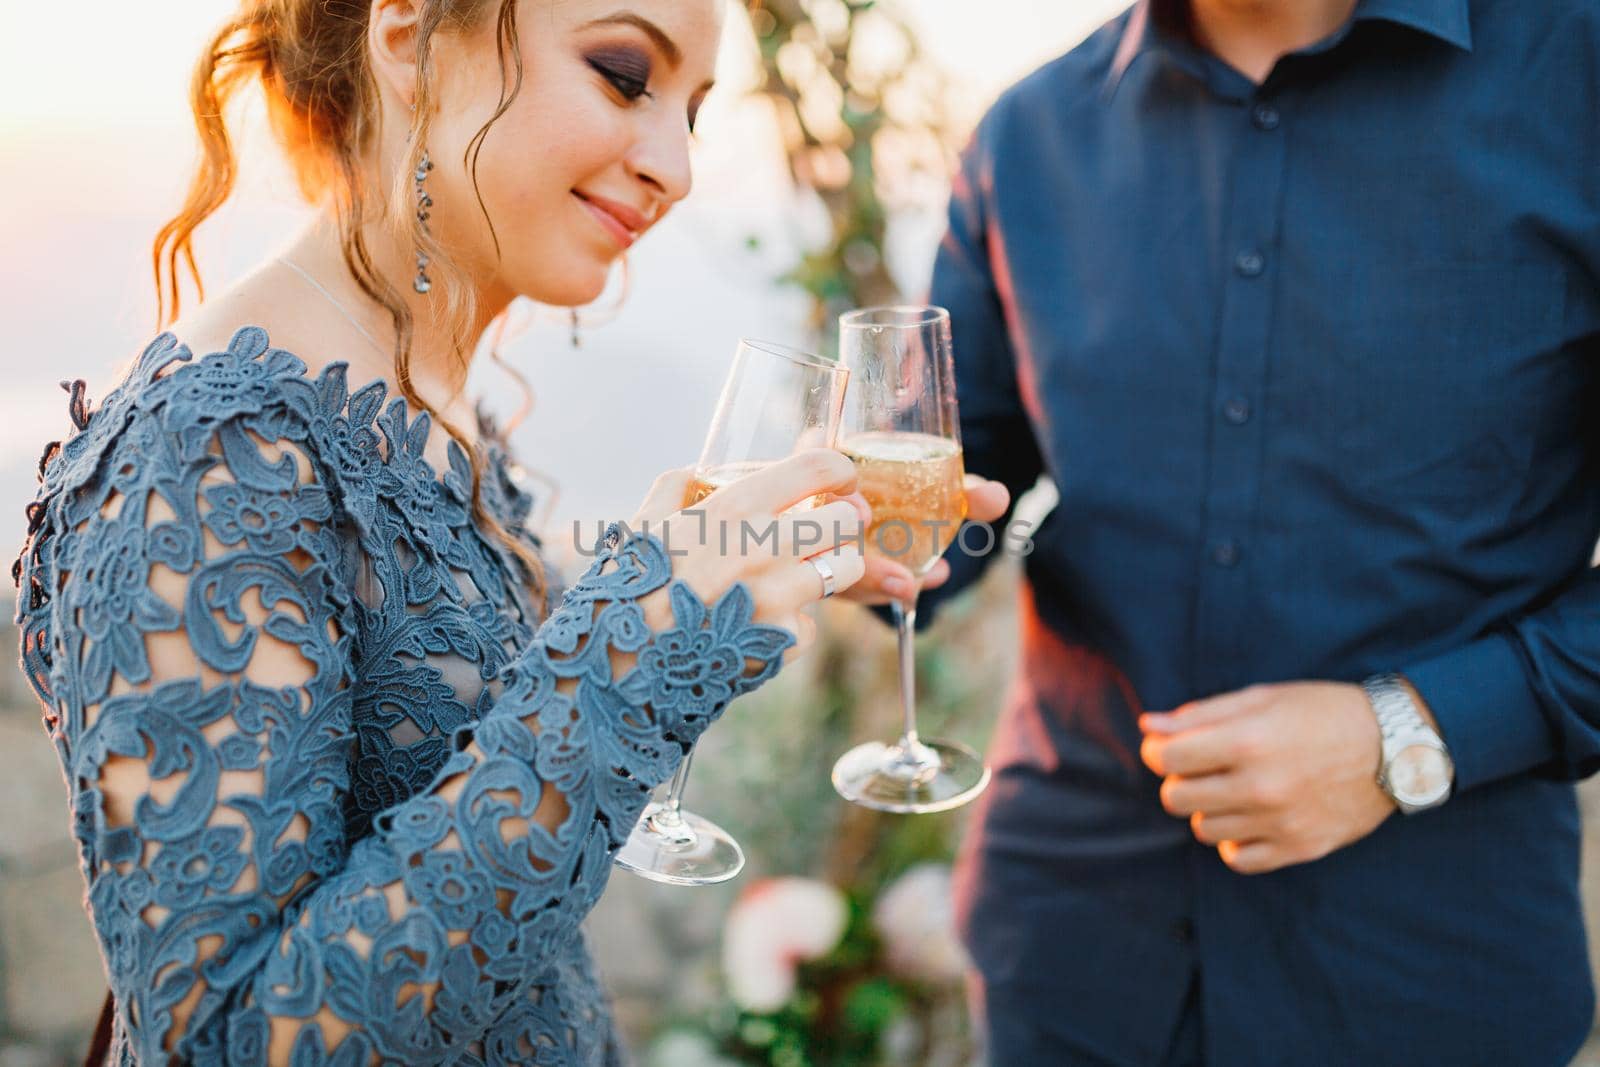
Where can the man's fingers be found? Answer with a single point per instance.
(1213, 829)
(938, 575)
(1250, 857)
(884, 580)
(1207, 750)
(986, 500)
(1218, 794)
(1205, 712)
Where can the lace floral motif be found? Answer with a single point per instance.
(377, 802)
(690, 673)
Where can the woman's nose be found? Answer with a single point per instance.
(660, 159)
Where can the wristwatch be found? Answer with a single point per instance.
(1415, 769)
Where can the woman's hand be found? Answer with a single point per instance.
(887, 580)
(745, 532)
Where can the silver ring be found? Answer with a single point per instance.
(827, 575)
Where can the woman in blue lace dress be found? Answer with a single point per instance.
(346, 767)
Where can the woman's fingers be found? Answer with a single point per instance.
(805, 637)
(779, 486)
(758, 542)
(856, 498)
(805, 533)
(746, 531)
(800, 583)
(664, 496)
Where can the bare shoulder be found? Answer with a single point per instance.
(295, 319)
(263, 298)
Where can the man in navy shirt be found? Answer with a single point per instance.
(1297, 303)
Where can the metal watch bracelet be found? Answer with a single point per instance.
(1401, 727)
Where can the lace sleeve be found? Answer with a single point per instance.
(189, 634)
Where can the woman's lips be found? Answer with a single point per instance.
(623, 223)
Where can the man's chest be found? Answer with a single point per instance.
(1260, 291)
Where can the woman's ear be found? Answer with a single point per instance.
(392, 41)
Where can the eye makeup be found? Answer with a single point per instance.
(626, 69)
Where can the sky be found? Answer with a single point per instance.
(130, 62)
(96, 146)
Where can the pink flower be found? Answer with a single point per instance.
(777, 924)
(915, 918)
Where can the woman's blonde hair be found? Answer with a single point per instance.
(310, 59)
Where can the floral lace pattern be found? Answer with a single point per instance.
(333, 794)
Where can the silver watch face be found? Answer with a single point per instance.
(1419, 774)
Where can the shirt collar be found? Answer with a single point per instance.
(1152, 26)
(1448, 20)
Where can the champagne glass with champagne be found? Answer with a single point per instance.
(901, 430)
(776, 401)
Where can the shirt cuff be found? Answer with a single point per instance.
(1487, 712)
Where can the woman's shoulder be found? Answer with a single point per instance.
(183, 405)
(172, 422)
(170, 404)
(247, 411)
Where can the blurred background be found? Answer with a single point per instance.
(821, 170)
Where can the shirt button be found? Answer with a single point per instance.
(1236, 410)
(1265, 116)
(1183, 931)
(1249, 263)
(1225, 553)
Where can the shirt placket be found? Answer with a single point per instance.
(1238, 390)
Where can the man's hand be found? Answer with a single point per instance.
(888, 580)
(1272, 775)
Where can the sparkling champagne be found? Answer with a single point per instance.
(913, 481)
(709, 481)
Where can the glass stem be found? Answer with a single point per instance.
(669, 813)
(905, 619)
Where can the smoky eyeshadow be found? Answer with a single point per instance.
(626, 63)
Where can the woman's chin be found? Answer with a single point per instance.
(568, 293)
(580, 287)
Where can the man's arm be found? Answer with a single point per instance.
(1524, 697)
(1281, 774)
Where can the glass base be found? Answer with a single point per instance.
(688, 850)
(934, 776)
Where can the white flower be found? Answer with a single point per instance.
(682, 1048)
(777, 924)
(915, 917)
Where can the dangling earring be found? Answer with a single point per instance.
(421, 283)
(605, 314)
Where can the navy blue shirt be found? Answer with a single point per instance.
(1313, 366)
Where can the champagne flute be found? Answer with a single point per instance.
(776, 400)
(902, 432)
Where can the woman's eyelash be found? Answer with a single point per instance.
(630, 84)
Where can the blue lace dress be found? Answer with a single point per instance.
(335, 794)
